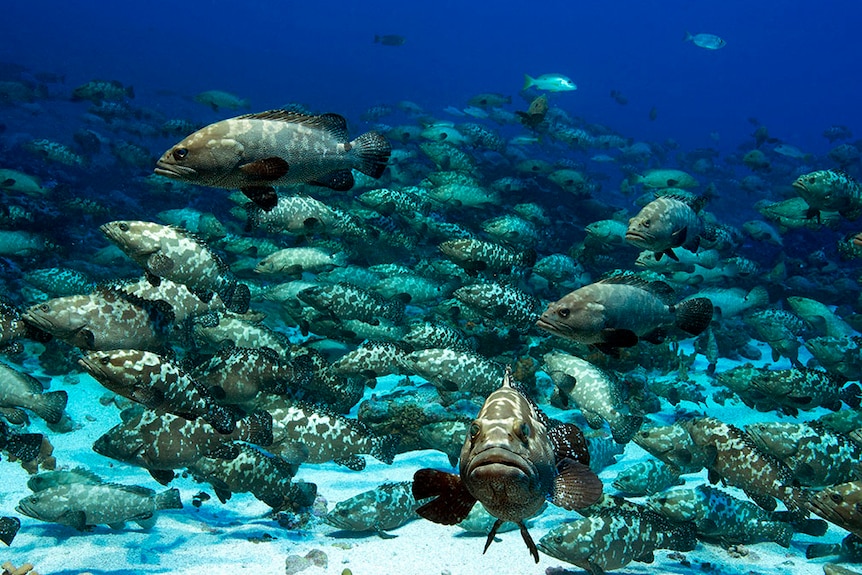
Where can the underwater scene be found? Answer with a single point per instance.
(435, 288)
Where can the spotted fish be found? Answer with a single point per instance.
(830, 191)
(256, 152)
(156, 383)
(173, 253)
(86, 503)
(378, 510)
(514, 459)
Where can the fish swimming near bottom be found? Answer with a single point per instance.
(514, 458)
(89, 502)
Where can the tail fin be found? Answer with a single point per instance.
(8, 529)
(528, 82)
(757, 297)
(384, 449)
(372, 150)
(169, 499)
(688, 37)
(624, 428)
(817, 550)
(221, 418)
(51, 405)
(25, 446)
(693, 315)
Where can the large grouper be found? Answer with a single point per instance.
(514, 459)
(256, 152)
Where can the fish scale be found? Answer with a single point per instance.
(327, 436)
(817, 456)
(386, 507)
(738, 461)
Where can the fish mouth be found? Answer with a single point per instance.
(497, 461)
(637, 238)
(552, 326)
(799, 186)
(174, 171)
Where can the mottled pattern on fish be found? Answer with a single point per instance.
(411, 413)
(55, 152)
(512, 230)
(327, 436)
(456, 195)
(158, 384)
(841, 357)
(646, 478)
(297, 215)
(239, 375)
(447, 156)
(733, 301)
(621, 309)
(603, 449)
(60, 282)
(818, 457)
(673, 445)
(86, 503)
(840, 504)
(501, 303)
(344, 301)
(275, 148)
(799, 388)
(822, 319)
(297, 260)
(21, 390)
(372, 359)
(600, 395)
(175, 254)
(614, 539)
(736, 460)
(718, 516)
(413, 289)
(103, 91)
(14, 327)
(388, 201)
(437, 335)
(183, 303)
(830, 190)
(513, 459)
(253, 470)
(384, 508)
(481, 256)
(8, 529)
(779, 329)
(235, 331)
(561, 270)
(665, 223)
(23, 446)
(103, 320)
(162, 442)
(451, 370)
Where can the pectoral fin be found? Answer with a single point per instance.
(263, 196)
(452, 502)
(266, 170)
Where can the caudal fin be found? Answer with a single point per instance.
(372, 150)
(528, 82)
(384, 449)
(693, 315)
(8, 529)
(169, 499)
(51, 405)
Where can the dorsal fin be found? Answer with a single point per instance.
(333, 124)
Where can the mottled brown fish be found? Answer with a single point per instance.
(622, 309)
(256, 152)
(514, 459)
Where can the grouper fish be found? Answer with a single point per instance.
(514, 458)
(256, 152)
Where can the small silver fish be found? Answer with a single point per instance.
(707, 41)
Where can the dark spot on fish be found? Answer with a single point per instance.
(9, 182)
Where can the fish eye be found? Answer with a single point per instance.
(124, 227)
(836, 498)
(812, 179)
(180, 153)
(45, 307)
(104, 360)
(474, 430)
(563, 312)
(524, 431)
(645, 223)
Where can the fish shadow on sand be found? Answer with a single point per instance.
(117, 572)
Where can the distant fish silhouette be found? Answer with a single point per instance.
(390, 40)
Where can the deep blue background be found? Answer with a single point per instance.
(790, 64)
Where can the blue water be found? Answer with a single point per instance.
(788, 66)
